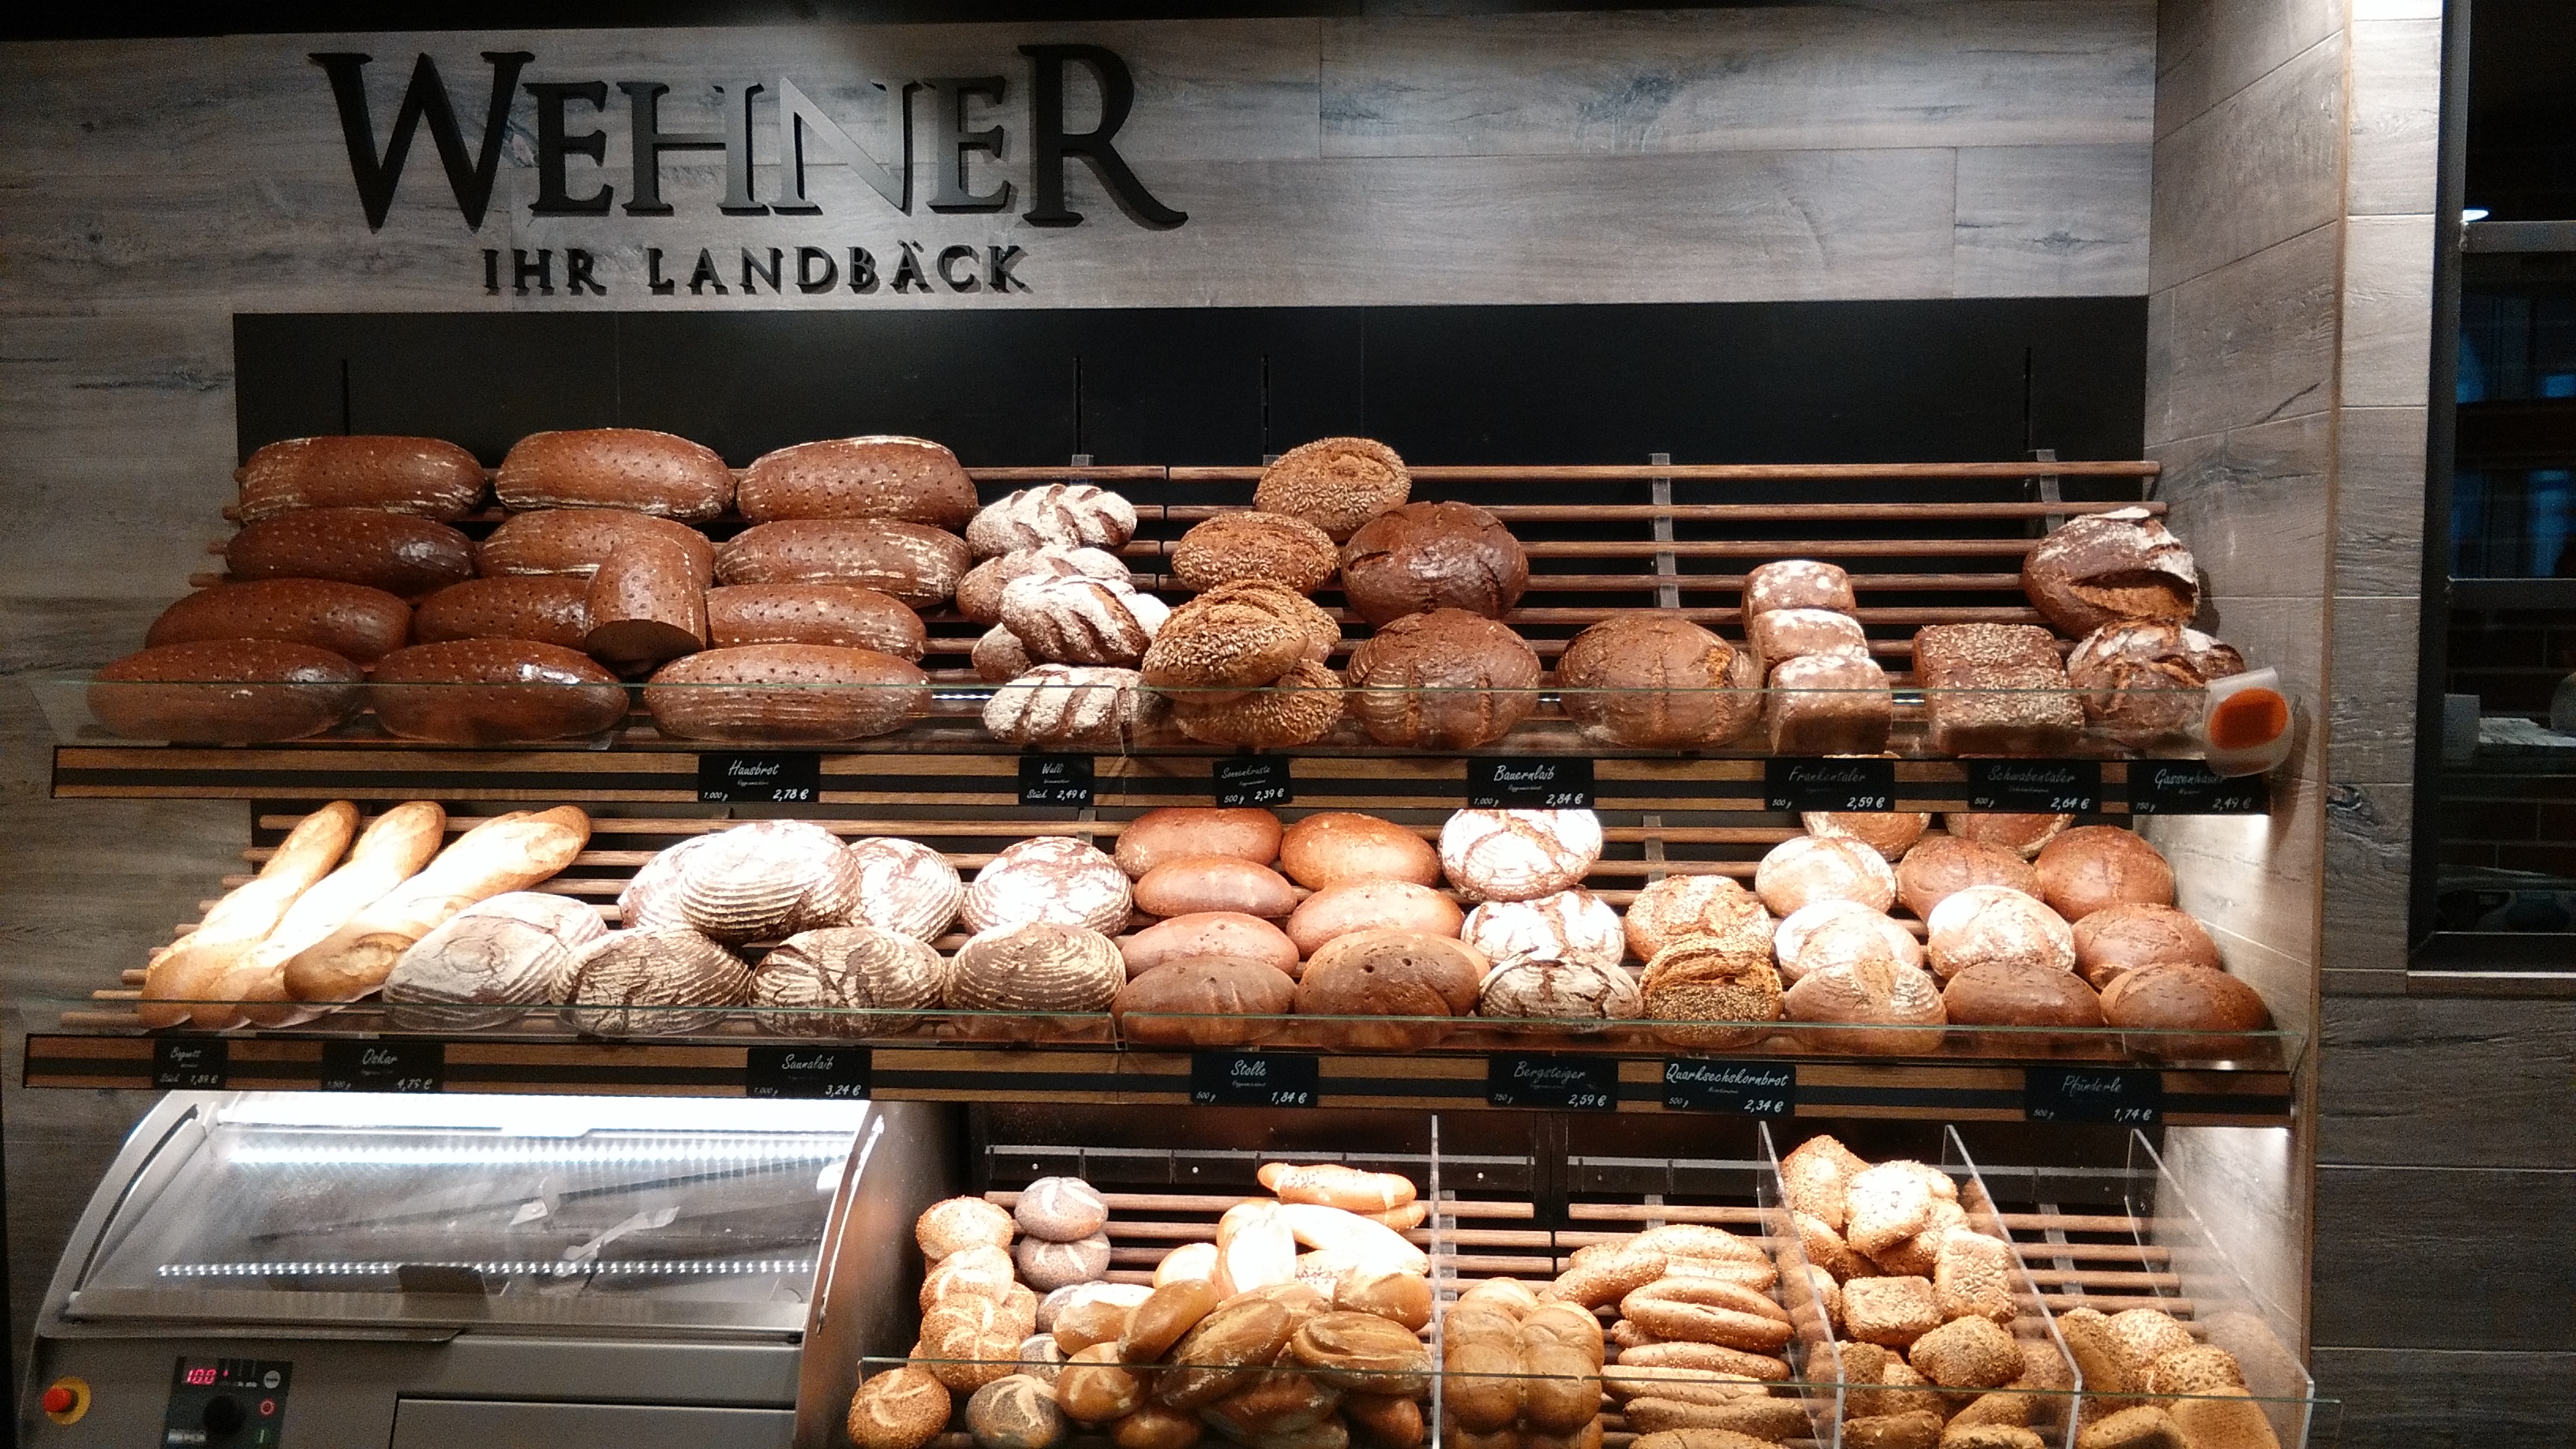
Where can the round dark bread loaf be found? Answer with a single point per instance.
(422, 476)
(395, 552)
(350, 620)
(908, 480)
(635, 469)
(2119, 939)
(1426, 556)
(786, 693)
(531, 691)
(579, 540)
(1648, 680)
(1443, 680)
(545, 607)
(225, 691)
(1204, 1001)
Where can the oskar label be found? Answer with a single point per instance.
(1499, 784)
(384, 1066)
(781, 779)
(840, 1073)
(1747, 1089)
(1055, 780)
(1578, 1084)
(2035, 787)
(2188, 787)
(1253, 1079)
(1253, 780)
(2122, 1098)
(1829, 784)
(190, 1063)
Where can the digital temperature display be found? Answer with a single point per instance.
(201, 1375)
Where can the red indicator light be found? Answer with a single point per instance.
(59, 1400)
(201, 1376)
(267, 1407)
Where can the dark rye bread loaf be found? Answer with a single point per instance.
(544, 607)
(1648, 680)
(631, 468)
(1426, 556)
(786, 694)
(493, 691)
(1445, 680)
(2103, 568)
(846, 616)
(908, 480)
(919, 565)
(224, 691)
(644, 605)
(422, 476)
(395, 552)
(350, 620)
(579, 540)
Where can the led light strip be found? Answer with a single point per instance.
(548, 1268)
(794, 1151)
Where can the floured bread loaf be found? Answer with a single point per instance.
(1077, 515)
(1038, 967)
(639, 983)
(1072, 619)
(1072, 706)
(1518, 855)
(490, 962)
(764, 880)
(979, 594)
(1570, 926)
(904, 886)
(831, 982)
(1050, 878)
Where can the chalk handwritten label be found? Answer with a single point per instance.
(1829, 784)
(1529, 784)
(1580, 1084)
(1253, 1079)
(384, 1066)
(1747, 1089)
(1055, 780)
(2188, 787)
(839, 1073)
(1253, 780)
(2035, 787)
(2060, 1094)
(782, 779)
(190, 1063)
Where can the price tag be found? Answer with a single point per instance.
(1055, 780)
(1253, 1079)
(384, 1066)
(1496, 784)
(191, 1063)
(782, 779)
(1829, 784)
(2064, 1094)
(1580, 1084)
(836, 1073)
(1747, 1089)
(2188, 787)
(2035, 787)
(1253, 780)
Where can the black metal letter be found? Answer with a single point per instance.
(553, 145)
(948, 258)
(907, 272)
(1050, 144)
(644, 127)
(806, 281)
(704, 274)
(577, 265)
(999, 277)
(543, 269)
(469, 177)
(654, 281)
(950, 141)
(752, 268)
(492, 271)
(863, 270)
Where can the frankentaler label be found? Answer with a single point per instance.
(1253, 1079)
(1506, 784)
(2035, 787)
(1750, 1089)
(1840, 785)
(1581, 1084)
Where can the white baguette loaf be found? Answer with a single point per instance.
(188, 970)
(506, 853)
(1373, 1245)
(389, 851)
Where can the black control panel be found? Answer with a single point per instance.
(226, 1401)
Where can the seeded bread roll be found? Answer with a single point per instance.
(350, 620)
(901, 1409)
(1036, 967)
(1301, 708)
(1334, 846)
(226, 691)
(786, 694)
(578, 540)
(1678, 907)
(1648, 680)
(1215, 651)
(1336, 484)
(1797, 583)
(2142, 681)
(421, 476)
(1805, 869)
(979, 593)
(918, 565)
(2115, 940)
(1073, 707)
(1829, 704)
(843, 616)
(2104, 568)
(631, 468)
(1995, 689)
(1443, 680)
(1943, 865)
(1075, 515)
(1076, 620)
(1426, 556)
(1699, 980)
(1972, 1277)
(1050, 878)
(525, 691)
(2094, 866)
(1518, 855)
(1892, 1312)
(1816, 1178)
(1270, 547)
(1985, 924)
(909, 480)
(401, 554)
(1966, 1353)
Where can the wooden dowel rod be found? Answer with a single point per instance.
(1734, 583)
(1711, 472)
(1620, 1212)
(1740, 512)
(1768, 549)
(2101, 1278)
(2071, 1222)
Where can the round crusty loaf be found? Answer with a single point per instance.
(1996, 923)
(979, 594)
(845, 616)
(2094, 866)
(1559, 990)
(423, 476)
(1891, 833)
(635, 469)
(904, 886)
(350, 620)
(2183, 998)
(1075, 515)
(228, 691)
(1648, 680)
(1336, 845)
(1940, 866)
(1072, 706)
(1322, 631)
(1072, 619)
(1336, 484)
(2023, 835)
(1196, 883)
(528, 691)
(1301, 708)
(1570, 926)
(403, 555)
(1214, 651)
(958, 1224)
(909, 480)
(1270, 547)
(1180, 831)
(1204, 1001)
(1391, 973)
(2103, 568)
(916, 564)
(764, 879)
(1518, 855)
(549, 608)
(1805, 869)
(786, 694)
(839, 981)
(2143, 681)
(1229, 934)
(1824, 923)
(1036, 967)
(1442, 680)
(1371, 905)
(1047, 1264)
(1426, 556)
(490, 962)
(1874, 993)
(1050, 878)
(2118, 939)
(2019, 993)
(652, 983)
(578, 540)
(1702, 905)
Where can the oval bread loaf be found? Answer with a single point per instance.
(421, 476)
(636, 469)
(1193, 884)
(531, 692)
(1334, 846)
(549, 608)
(908, 480)
(394, 552)
(1180, 831)
(1228, 934)
(644, 606)
(1203, 1001)
(787, 693)
(224, 691)
(845, 616)
(579, 540)
(350, 620)
(917, 565)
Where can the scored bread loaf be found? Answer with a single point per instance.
(548, 608)
(1425, 556)
(1076, 515)
(491, 962)
(785, 694)
(979, 593)
(635, 469)
(1336, 484)
(919, 565)
(519, 690)
(249, 912)
(422, 476)
(350, 620)
(392, 847)
(909, 480)
(506, 853)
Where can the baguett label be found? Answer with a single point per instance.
(1055, 780)
(1840, 785)
(1746, 1089)
(2188, 787)
(767, 779)
(190, 1063)
(2035, 787)
(384, 1066)
(1253, 780)
(838, 1073)
(1254, 1079)
(1577, 1084)
(1507, 784)
(2063, 1094)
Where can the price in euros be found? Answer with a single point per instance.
(1869, 802)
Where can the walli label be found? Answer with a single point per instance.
(1829, 784)
(1500, 784)
(2035, 787)
(1055, 780)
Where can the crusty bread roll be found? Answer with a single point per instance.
(506, 853)
(422, 476)
(350, 620)
(1269, 547)
(2093, 866)
(237, 923)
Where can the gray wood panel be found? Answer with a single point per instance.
(2247, 1187)
(2413, 1398)
(2051, 221)
(2398, 1070)
(2369, 864)
(2454, 1258)
(2208, 50)
(2387, 310)
(2258, 168)
(2249, 343)
(2253, 503)
(2379, 501)
(2253, 880)
(2373, 729)
(2396, 114)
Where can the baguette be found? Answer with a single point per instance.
(507, 853)
(393, 847)
(235, 926)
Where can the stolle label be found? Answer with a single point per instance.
(1253, 1079)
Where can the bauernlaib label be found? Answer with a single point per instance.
(2035, 787)
(1253, 1079)
(2067, 1094)
(781, 779)
(1501, 784)
(2188, 787)
(1579, 1084)
(1055, 780)
(1253, 780)
(835, 1073)
(1828, 784)
(1748, 1089)
(384, 1066)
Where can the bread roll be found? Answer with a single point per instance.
(1175, 832)
(350, 620)
(1074, 515)
(1204, 1001)
(630, 468)
(1061, 1210)
(840, 981)
(421, 476)
(1336, 484)
(1424, 556)
(954, 1225)
(1156, 1427)
(1709, 905)
(1892, 1312)
(490, 963)
(548, 608)
(1223, 1352)
(237, 923)
(1038, 967)
(509, 852)
(1335, 846)
(917, 565)
(1228, 934)
(979, 593)
(2103, 568)
(1362, 1352)
(396, 552)
(1992, 923)
(1518, 855)
(2117, 939)
(1645, 679)
(643, 606)
(1943, 865)
(1829, 704)
(224, 691)
(1269, 547)
(520, 691)
(1828, 918)
(1797, 583)
(1442, 680)
(1805, 869)
(2017, 992)
(1573, 926)
(2094, 866)
(652, 983)
(1363, 905)
(1048, 1265)
(843, 616)
(1050, 878)
(786, 694)
(579, 540)
(1016, 1411)
(904, 1408)
(1299, 709)
(904, 886)
(2167, 997)
(1194, 884)
(909, 480)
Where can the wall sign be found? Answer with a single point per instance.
(2063, 1094)
(768, 779)
(1507, 784)
(1253, 780)
(1055, 780)
(840, 1073)
(384, 1066)
(2188, 787)
(1747, 1089)
(1578, 1084)
(1829, 784)
(1253, 1079)
(190, 1063)
(2035, 787)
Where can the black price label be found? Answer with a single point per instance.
(384, 1066)
(2035, 787)
(784, 779)
(2188, 787)
(1847, 786)
(833, 1073)
(1253, 780)
(1529, 784)
(191, 1063)
(1055, 780)
(1579, 1084)
(2064, 1094)
(1747, 1089)
(1253, 1079)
